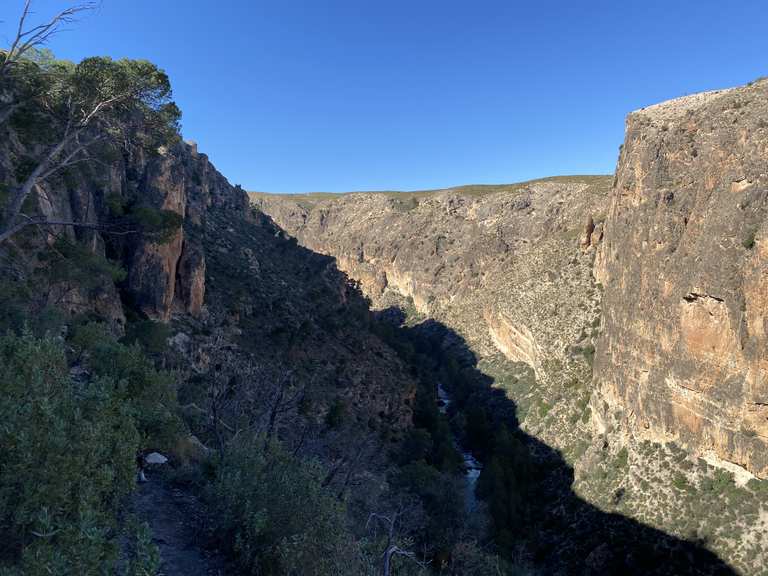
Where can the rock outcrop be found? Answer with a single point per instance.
(181, 252)
(170, 275)
(507, 267)
(684, 264)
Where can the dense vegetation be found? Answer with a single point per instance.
(69, 446)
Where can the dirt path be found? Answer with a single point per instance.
(175, 518)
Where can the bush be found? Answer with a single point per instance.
(76, 264)
(440, 496)
(275, 517)
(337, 414)
(148, 393)
(160, 225)
(68, 451)
(504, 483)
(150, 335)
(749, 240)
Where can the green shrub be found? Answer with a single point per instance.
(150, 335)
(749, 240)
(115, 204)
(75, 264)
(150, 394)
(440, 498)
(67, 450)
(145, 560)
(337, 414)
(504, 484)
(622, 458)
(275, 517)
(161, 225)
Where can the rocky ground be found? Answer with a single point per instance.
(177, 521)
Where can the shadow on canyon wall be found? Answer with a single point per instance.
(563, 534)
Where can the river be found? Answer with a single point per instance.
(472, 467)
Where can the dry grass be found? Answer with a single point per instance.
(467, 190)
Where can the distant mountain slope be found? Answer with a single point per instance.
(508, 267)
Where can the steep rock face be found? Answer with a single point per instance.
(168, 276)
(161, 276)
(505, 266)
(684, 266)
(239, 296)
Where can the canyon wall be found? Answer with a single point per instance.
(241, 301)
(684, 266)
(116, 199)
(509, 268)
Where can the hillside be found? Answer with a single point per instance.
(507, 267)
(365, 383)
(651, 279)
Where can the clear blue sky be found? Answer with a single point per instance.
(335, 95)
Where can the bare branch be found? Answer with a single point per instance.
(392, 548)
(29, 221)
(27, 39)
(71, 158)
(6, 112)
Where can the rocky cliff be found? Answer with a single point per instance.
(136, 189)
(624, 317)
(508, 267)
(190, 259)
(682, 350)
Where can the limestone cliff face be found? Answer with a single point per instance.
(162, 277)
(507, 267)
(168, 276)
(684, 265)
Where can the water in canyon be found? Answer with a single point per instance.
(472, 467)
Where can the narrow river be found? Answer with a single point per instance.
(472, 467)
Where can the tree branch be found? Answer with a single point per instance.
(25, 40)
(7, 112)
(29, 221)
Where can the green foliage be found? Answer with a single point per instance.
(23, 167)
(150, 335)
(504, 483)
(145, 560)
(417, 445)
(138, 92)
(275, 517)
(749, 240)
(150, 394)
(15, 296)
(73, 263)
(115, 204)
(161, 225)
(67, 450)
(337, 414)
(440, 497)
(622, 458)
(681, 482)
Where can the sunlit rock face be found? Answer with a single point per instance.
(685, 273)
(508, 268)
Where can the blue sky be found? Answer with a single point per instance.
(337, 95)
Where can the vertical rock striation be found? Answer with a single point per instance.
(684, 265)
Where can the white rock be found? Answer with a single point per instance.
(155, 458)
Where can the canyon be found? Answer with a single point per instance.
(622, 312)
(588, 352)
(677, 284)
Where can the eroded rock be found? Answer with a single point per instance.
(684, 268)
